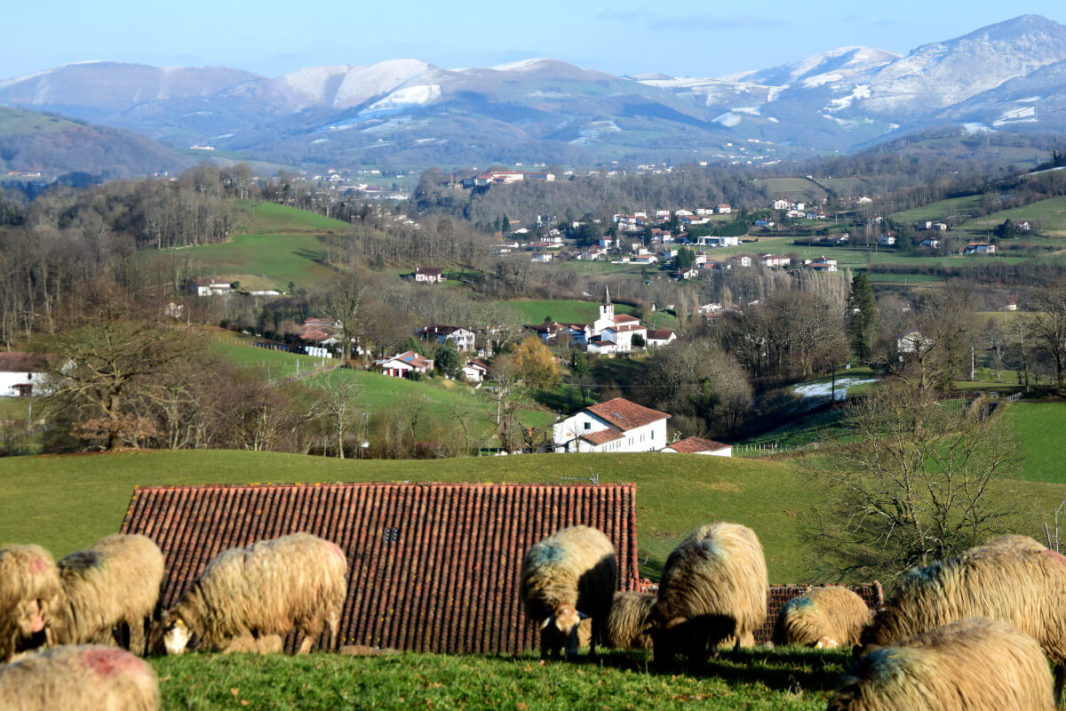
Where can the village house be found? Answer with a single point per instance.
(461, 338)
(403, 364)
(210, 286)
(617, 425)
(21, 374)
(698, 445)
(723, 208)
(980, 248)
(886, 240)
(429, 275)
(822, 264)
(474, 371)
(773, 261)
(929, 243)
(658, 337)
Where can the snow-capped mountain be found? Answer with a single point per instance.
(1008, 76)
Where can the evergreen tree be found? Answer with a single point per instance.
(861, 316)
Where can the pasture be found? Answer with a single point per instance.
(1040, 430)
(761, 680)
(280, 245)
(1049, 215)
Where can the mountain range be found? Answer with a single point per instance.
(1009, 76)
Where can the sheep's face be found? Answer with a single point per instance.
(176, 636)
(30, 619)
(560, 630)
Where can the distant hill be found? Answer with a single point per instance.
(1006, 77)
(33, 142)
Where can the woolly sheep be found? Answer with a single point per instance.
(260, 591)
(1023, 586)
(1009, 542)
(713, 589)
(567, 577)
(969, 664)
(29, 590)
(111, 585)
(827, 616)
(79, 678)
(627, 624)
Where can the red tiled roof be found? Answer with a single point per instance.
(603, 436)
(21, 362)
(432, 567)
(697, 444)
(625, 318)
(626, 415)
(430, 271)
(659, 334)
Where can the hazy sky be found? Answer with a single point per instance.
(681, 38)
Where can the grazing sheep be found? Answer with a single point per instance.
(1019, 585)
(79, 678)
(826, 616)
(262, 591)
(713, 589)
(110, 592)
(627, 625)
(966, 665)
(29, 590)
(567, 577)
(1008, 542)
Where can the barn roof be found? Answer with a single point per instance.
(626, 415)
(432, 567)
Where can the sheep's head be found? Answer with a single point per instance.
(560, 629)
(30, 619)
(176, 634)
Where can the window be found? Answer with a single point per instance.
(391, 535)
(588, 425)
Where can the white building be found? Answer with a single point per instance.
(461, 338)
(21, 374)
(617, 425)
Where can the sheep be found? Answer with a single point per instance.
(1007, 542)
(823, 617)
(110, 592)
(1017, 584)
(79, 678)
(567, 577)
(713, 589)
(262, 591)
(969, 664)
(29, 591)
(627, 623)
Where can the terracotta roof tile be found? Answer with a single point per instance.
(626, 415)
(603, 436)
(21, 362)
(625, 318)
(432, 567)
(697, 444)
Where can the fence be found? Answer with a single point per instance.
(768, 449)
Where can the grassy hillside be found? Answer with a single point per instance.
(281, 245)
(63, 502)
(1040, 429)
(1049, 214)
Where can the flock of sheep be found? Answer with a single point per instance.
(972, 632)
(105, 597)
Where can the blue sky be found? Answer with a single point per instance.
(690, 38)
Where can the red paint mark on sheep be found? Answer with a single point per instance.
(335, 548)
(1056, 556)
(37, 565)
(109, 661)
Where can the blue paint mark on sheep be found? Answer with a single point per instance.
(799, 603)
(887, 663)
(540, 555)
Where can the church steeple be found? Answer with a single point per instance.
(606, 310)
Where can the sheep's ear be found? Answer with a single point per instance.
(547, 621)
(581, 615)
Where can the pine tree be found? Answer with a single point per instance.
(861, 316)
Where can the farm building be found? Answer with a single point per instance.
(21, 373)
(617, 425)
(433, 567)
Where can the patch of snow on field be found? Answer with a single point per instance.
(408, 96)
(728, 119)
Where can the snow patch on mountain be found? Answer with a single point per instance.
(361, 84)
(1022, 114)
(408, 96)
(728, 119)
(860, 92)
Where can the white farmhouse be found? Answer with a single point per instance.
(21, 374)
(617, 425)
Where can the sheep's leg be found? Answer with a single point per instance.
(1060, 678)
(137, 636)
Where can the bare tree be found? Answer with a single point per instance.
(921, 480)
(336, 405)
(1047, 324)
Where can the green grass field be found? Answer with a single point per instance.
(1040, 429)
(281, 245)
(64, 502)
(1049, 214)
(962, 207)
(793, 188)
(759, 680)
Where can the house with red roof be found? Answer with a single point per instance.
(698, 445)
(617, 425)
(400, 366)
(429, 275)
